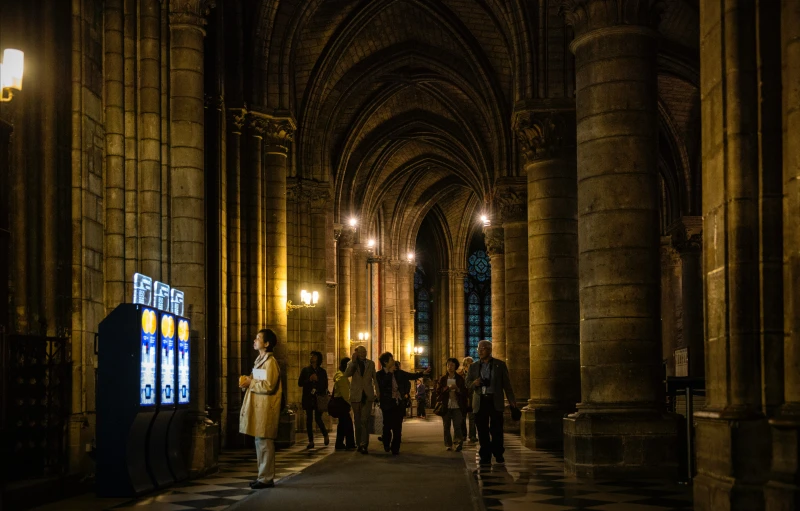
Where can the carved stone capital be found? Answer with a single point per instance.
(189, 12)
(586, 16)
(456, 273)
(236, 119)
(494, 239)
(687, 235)
(510, 200)
(346, 238)
(316, 193)
(256, 126)
(544, 135)
(279, 134)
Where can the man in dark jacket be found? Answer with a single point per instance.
(314, 380)
(391, 383)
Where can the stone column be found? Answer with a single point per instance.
(405, 315)
(513, 207)
(253, 235)
(278, 134)
(619, 429)
(547, 140)
(235, 125)
(187, 185)
(783, 490)
(359, 294)
(671, 305)
(687, 238)
(493, 238)
(344, 247)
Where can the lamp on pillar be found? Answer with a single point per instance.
(307, 300)
(11, 73)
(485, 220)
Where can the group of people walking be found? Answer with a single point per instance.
(469, 399)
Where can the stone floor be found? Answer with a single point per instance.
(424, 474)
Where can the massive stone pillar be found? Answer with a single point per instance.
(359, 296)
(187, 186)
(278, 134)
(513, 206)
(619, 428)
(671, 306)
(493, 237)
(783, 490)
(344, 246)
(454, 343)
(547, 139)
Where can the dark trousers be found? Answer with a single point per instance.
(310, 424)
(344, 430)
(490, 430)
(420, 408)
(393, 427)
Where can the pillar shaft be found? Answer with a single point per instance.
(343, 285)
(783, 490)
(493, 237)
(619, 428)
(512, 199)
(687, 240)
(359, 294)
(405, 306)
(547, 139)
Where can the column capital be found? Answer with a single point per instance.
(190, 12)
(316, 193)
(510, 200)
(278, 131)
(590, 16)
(345, 237)
(236, 119)
(687, 234)
(546, 131)
(493, 237)
(454, 273)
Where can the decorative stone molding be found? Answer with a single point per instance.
(511, 201)
(277, 132)
(345, 238)
(494, 239)
(455, 273)
(544, 135)
(256, 126)
(190, 12)
(236, 119)
(586, 16)
(687, 234)
(316, 193)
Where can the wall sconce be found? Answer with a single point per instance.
(410, 257)
(486, 221)
(307, 300)
(363, 336)
(418, 350)
(11, 73)
(371, 243)
(353, 222)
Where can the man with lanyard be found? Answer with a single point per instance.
(362, 394)
(391, 383)
(490, 380)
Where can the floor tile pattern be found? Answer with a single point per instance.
(237, 468)
(535, 481)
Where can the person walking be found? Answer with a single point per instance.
(464, 371)
(314, 380)
(261, 407)
(391, 381)
(490, 380)
(452, 393)
(422, 398)
(345, 440)
(362, 394)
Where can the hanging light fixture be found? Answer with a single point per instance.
(11, 70)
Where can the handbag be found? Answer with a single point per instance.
(439, 409)
(323, 401)
(333, 408)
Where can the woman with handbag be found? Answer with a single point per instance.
(340, 404)
(451, 404)
(314, 380)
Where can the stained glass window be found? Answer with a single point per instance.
(478, 301)
(422, 318)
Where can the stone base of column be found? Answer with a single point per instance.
(204, 446)
(782, 492)
(733, 461)
(543, 428)
(630, 445)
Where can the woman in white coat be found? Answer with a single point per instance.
(261, 409)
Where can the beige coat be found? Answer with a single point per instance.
(261, 409)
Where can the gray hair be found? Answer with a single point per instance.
(485, 343)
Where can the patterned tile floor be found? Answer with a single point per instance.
(215, 492)
(535, 481)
